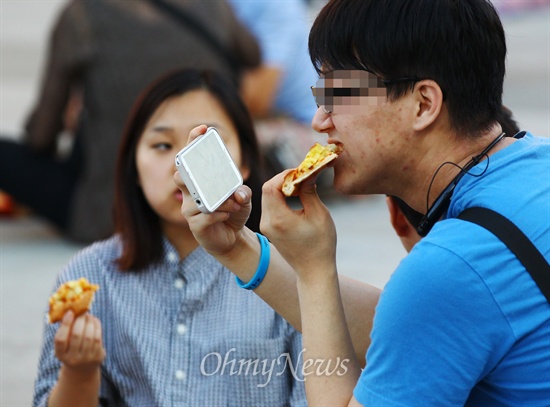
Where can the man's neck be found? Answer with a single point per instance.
(433, 175)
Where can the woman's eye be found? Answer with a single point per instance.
(162, 146)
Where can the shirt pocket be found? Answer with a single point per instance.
(251, 372)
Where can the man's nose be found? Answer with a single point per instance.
(322, 121)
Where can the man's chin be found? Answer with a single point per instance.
(341, 186)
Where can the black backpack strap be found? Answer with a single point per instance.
(517, 242)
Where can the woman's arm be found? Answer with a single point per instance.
(78, 345)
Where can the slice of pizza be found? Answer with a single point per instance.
(75, 295)
(317, 158)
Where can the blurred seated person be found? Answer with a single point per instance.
(106, 52)
(278, 92)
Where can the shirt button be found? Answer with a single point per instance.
(180, 374)
(172, 258)
(179, 283)
(181, 329)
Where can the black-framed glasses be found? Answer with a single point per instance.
(352, 88)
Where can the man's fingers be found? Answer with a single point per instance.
(243, 195)
(308, 194)
(309, 185)
(275, 184)
(275, 211)
(197, 132)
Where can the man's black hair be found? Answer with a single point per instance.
(459, 44)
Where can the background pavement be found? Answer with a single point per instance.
(31, 253)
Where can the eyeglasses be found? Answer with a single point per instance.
(350, 91)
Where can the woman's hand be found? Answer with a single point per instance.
(79, 347)
(78, 343)
(306, 237)
(219, 231)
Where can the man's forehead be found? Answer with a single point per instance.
(347, 74)
(351, 78)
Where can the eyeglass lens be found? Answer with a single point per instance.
(346, 91)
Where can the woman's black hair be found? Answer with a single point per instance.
(137, 225)
(459, 44)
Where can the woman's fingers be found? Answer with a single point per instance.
(98, 339)
(78, 341)
(86, 344)
(77, 333)
(61, 339)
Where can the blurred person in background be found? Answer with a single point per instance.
(165, 309)
(101, 55)
(278, 91)
(514, 6)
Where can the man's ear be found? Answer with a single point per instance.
(397, 219)
(428, 99)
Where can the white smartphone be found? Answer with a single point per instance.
(209, 172)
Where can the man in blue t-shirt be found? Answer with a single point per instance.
(461, 321)
(411, 91)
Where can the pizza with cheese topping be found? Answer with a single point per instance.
(317, 158)
(75, 295)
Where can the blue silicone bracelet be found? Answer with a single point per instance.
(265, 255)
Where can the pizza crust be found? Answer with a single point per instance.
(291, 184)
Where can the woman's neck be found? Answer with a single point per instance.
(181, 238)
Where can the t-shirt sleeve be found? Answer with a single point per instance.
(437, 331)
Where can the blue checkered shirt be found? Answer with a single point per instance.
(181, 333)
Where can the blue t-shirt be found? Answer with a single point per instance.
(461, 322)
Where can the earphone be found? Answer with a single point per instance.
(441, 204)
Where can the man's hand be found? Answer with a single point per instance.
(219, 231)
(305, 237)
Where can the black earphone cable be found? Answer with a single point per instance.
(463, 171)
(443, 201)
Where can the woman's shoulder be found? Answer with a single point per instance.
(94, 260)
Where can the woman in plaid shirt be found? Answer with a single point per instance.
(169, 326)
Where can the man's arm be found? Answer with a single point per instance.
(279, 290)
(224, 236)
